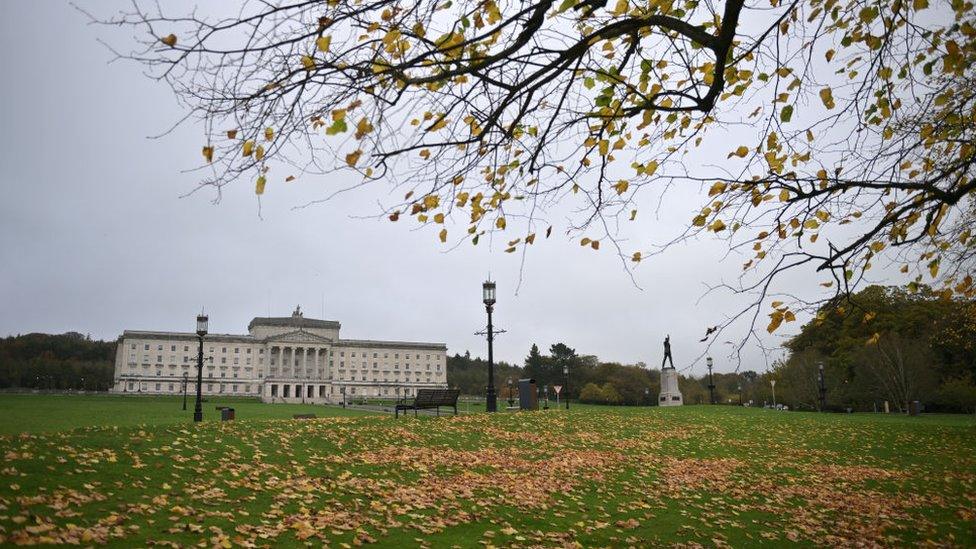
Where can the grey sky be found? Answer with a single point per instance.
(95, 237)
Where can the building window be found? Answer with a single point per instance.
(248, 350)
(235, 388)
(223, 360)
(237, 350)
(133, 346)
(159, 359)
(146, 347)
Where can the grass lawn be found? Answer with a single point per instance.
(592, 476)
(49, 413)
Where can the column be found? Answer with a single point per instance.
(305, 362)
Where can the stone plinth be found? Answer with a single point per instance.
(670, 395)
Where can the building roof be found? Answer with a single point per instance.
(293, 321)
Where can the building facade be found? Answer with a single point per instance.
(281, 359)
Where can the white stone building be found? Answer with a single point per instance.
(281, 359)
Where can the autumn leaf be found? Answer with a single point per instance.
(259, 185)
(827, 97)
(353, 157)
(323, 43)
(208, 152)
(248, 148)
(308, 62)
(268, 134)
(621, 186)
(169, 40)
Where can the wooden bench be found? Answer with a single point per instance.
(303, 416)
(427, 399)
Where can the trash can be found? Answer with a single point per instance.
(528, 394)
(226, 414)
(914, 408)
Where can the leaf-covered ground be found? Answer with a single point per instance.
(593, 476)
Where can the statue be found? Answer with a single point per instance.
(667, 352)
(670, 393)
(298, 311)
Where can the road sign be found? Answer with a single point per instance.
(557, 388)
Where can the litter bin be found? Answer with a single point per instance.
(914, 408)
(528, 394)
(226, 414)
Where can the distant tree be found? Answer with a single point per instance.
(902, 369)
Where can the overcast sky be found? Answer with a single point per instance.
(96, 235)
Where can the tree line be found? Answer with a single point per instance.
(69, 361)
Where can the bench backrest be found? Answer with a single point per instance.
(436, 397)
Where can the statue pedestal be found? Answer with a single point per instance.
(670, 395)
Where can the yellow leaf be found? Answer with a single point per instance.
(231, 134)
(500, 223)
(784, 195)
(269, 134)
(308, 62)
(827, 96)
(717, 188)
(353, 157)
(789, 316)
(323, 43)
(699, 221)
(622, 7)
(741, 152)
(650, 168)
(259, 186)
(208, 153)
(248, 147)
(595, 244)
(259, 152)
(810, 224)
(443, 235)
(777, 304)
(169, 40)
(775, 320)
(621, 186)
(717, 225)
(636, 257)
(873, 339)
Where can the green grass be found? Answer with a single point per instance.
(592, 476)
(49, 413)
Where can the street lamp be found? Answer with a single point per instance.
(773, 383)
(511, 394)
(185, 379)
(739, 388)
(343, 391)
(647, 395)
(711, 382)
(488, 295)
(566, 383)
(202, 321)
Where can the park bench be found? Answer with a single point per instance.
(303, 416)
(427, 399)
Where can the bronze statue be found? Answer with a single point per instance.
(667, 352)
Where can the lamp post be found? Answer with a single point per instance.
(488, 295)
(511, 394)
(822, 388)
(739, 388)
(201, 333)
(773, 383)
(566, 383)
(185, 379)
(647, 395)
(711, 382)
(343, 391)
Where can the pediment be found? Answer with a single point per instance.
(298, 336)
